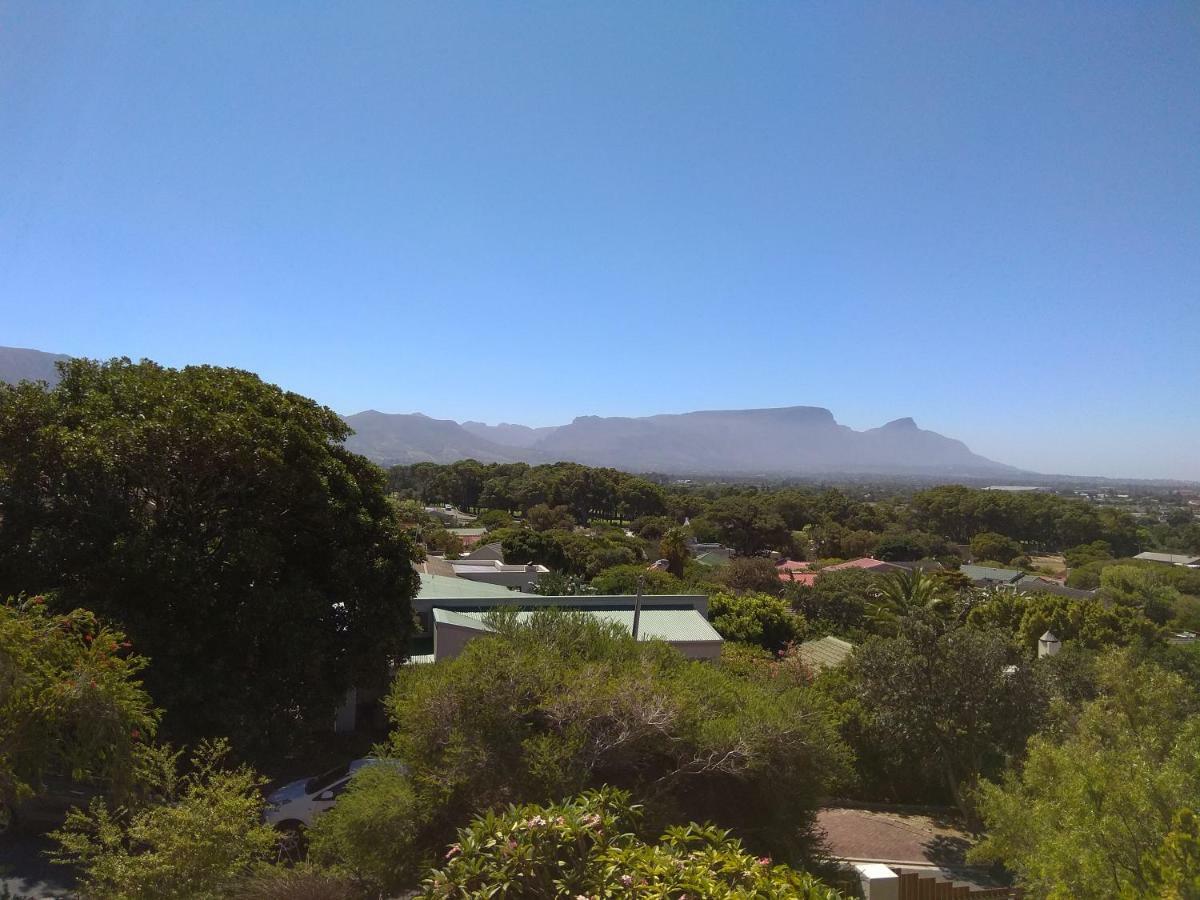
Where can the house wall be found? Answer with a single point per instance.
(449, 640)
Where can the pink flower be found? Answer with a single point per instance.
(627, 880)
(454, 850)
(764, 860)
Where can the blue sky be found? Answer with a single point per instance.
(985, 216)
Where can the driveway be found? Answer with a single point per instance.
(27, 875)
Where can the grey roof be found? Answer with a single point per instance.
(1036, 584)
(990, 573)
(1049, 637)
(672, 625)
(447, 587)
(1175, 559)
(711, 559)
(825, 653)
(467, 532)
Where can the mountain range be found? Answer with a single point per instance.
(782, 441)
(790, 440)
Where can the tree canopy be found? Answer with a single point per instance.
(218, 519)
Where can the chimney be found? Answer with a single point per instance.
(1048, 645)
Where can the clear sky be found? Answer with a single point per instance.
(982, 215)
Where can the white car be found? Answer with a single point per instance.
(297, 805)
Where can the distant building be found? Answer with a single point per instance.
(1037, 585)
(450, 612)
(1171, 559)
(492, 571)
(986, 576)
(450, 516)
(492, 551)
(469, 536)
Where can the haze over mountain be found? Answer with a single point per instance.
(19, 364)
(786, 440)
(782, 441)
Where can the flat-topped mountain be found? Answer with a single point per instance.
(789, 440)
(786, 440)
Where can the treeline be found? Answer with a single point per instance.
(752, 519)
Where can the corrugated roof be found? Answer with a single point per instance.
(825, 653)
(672, 625)
(447, 587)
(1175, 559)
(990, 573)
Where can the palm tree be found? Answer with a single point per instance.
(674, 549)
(901, 594)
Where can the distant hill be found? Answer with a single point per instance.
(395, 439)
(790, 440)
(785, 441)
(18, 364)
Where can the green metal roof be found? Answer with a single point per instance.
(448, 587)
(825, 653)
(672, 625)
(990, 573)
(713, 559)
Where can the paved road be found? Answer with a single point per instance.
(26, 873)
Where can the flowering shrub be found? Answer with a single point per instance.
(584, 849)
(70, 702)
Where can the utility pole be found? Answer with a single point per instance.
(637, 605)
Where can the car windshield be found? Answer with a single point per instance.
(320, 782)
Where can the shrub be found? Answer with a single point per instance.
(203, 832)
(586, 848)
(756, 619)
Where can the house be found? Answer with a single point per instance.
(450, 516)
(1037, 585)
(825, 653)
(1171, 559)
(492, 571)
(867, 562)
(451, 612)
(492, 551)
(469, 536)
(989, 576)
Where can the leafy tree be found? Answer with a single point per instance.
(911, 545)
(652, 528)
(988, 545)
(1173, 871)
(1089, 810)
(950, 696)
(750, 573)
(560, 703)
(1092, 622)
(549, 518)
(69, 701)
(494, 518)
(1096, 551)
(203, 833)
(625, 580)
(588, 847)
(901, 594)
(838, 599)
(674, 549)
(1141, 588)
(755, 619)
(748, 524)
(220, 521)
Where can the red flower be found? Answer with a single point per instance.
(136, 734)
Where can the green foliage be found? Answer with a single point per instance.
(837, 600)
(1082, 555)
(202, 833)
(221, 522)
(1145, 589)
(897, 546)
(560, 703)
(366, 833)
(987, 545)
(1040, 520)
(625, 579)
(748, 524)
(70, 703)
(674, 549)
(588, 847)
(755, 619)
(494, 518)
(948, 696)
(1089, 811)
(1092, 622)
(1173, 870)
(750, 573)
(901, 594)
(541, 517)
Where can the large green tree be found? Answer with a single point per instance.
(218, 518)
(1088, 813)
